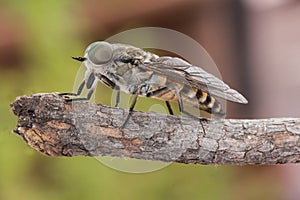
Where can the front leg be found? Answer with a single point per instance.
(90, 85)
(112, 85)
(81, 86)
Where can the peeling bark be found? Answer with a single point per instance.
(55, 127)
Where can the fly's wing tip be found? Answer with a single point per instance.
(241, 99)
(235, 96)
(244, 101)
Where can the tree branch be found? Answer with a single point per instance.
(55, 127)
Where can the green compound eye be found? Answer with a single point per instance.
(100, 52)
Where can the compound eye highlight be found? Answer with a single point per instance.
(100, 53)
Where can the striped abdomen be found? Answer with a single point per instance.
(189, 95)
(206, 102)
(209, 103)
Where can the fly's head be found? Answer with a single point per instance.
(98, 56)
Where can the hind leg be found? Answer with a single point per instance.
(181, 108)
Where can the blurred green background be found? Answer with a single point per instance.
(247, 39)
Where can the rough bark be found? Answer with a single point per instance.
(55, 127)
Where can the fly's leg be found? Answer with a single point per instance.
(181, 108)
(74, 94)
(88, 97)
(89, 84)
(90, 81)
(136, 94)
(159, 91)
(169, 108)
(117, 97)
(80, 59)
(112, 85)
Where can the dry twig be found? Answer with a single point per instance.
(55, 127)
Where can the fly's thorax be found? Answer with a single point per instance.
(134, 53)
(153, 81)
(156, 79)
(149, 57)
(127, 51)
(129, 77)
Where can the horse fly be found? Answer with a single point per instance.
(135, 71)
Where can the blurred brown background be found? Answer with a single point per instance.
(255, 45)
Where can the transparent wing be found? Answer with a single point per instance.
(181, 71)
